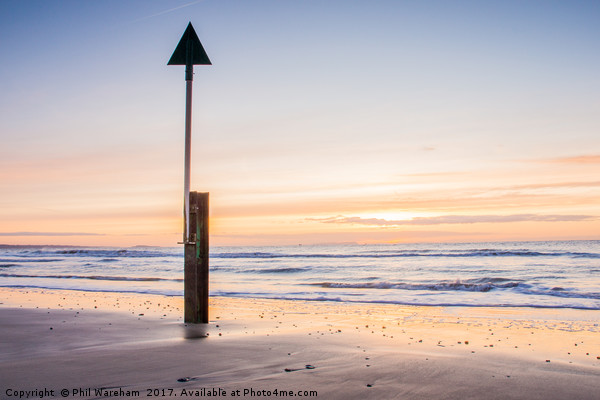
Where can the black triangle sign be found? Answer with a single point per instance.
(198, 55)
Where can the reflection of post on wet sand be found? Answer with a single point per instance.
(195, 331)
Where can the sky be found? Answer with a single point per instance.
(336, 121)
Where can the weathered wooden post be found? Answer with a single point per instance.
(196, 261)
(189, 52)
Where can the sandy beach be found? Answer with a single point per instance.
(71, 344)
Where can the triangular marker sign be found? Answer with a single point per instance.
(199, 56)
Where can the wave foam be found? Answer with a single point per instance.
(440, 286)
(93, 277)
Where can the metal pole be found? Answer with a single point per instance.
(187, 162)
(189, 77)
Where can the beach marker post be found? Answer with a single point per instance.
(189, 52)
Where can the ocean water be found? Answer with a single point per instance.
(522, 274)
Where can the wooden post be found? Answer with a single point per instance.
(196, 261)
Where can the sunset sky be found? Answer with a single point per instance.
(318, 122)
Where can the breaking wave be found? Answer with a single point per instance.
(478, 286)
(93, 277)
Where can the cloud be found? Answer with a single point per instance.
(553, 185)
(453, 219)
(589, 159)
(50, 234)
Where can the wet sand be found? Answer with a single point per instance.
(135, 346)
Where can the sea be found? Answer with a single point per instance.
(550, 274)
